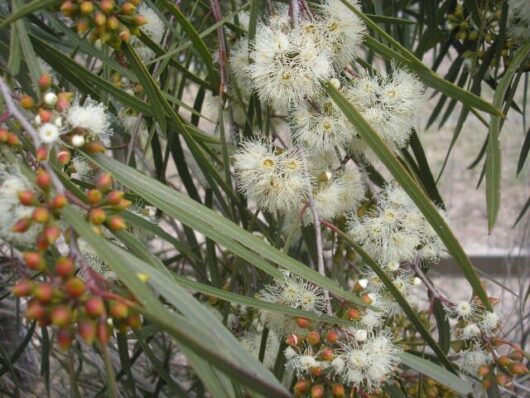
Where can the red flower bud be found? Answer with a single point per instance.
(27, 198)
(44, 292)
(61, 316)
(59, 201)
(107, 6)
(64, 157)
(103, 333)
(114, 197)
(128, 8)
(41, 153)
(23, 288)
(327, 354)
(64, 267)
(87, 330)
(134, 321)
(12, 140)
(42, 242)
(22, 225)
(337, 390)
(75, 287)
(104, 182)
(34, 261)
(303, 322)
(45, 82)
(123, 205)
(301, 387)
(484, 370)
(118, 310)
(317, 391)
(292, 340)
(332, 336)
(95, 307)
(503, 360)
(64, 339)
(353, 314)
(35, 311)
(518, 368)
(45, 115)
(116, 223)
(3, 135)
(43, 179)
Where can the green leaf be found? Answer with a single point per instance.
(196, 329)
(493, 150)
(387, 157)
(28, 9)
(437, 373)
(214, 226)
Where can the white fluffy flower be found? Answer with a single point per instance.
(470, 331)
(462, 310)
(11, 210)
(471, 360)
(388, 103)
(303, 364)
(275, 181)
(48, 133)
(340, 31)
(519, 19)
(154, 29)
(92, 117)
(370, 364)
(396, 231)
(489, 323)
(287, 66)
(252, 342)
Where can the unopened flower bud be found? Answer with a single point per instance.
(338, 391)
(41, 215)
(35, 311)
(43, 180)
(64, 267)
(353, 314)
(517, 368)
(22, 225)
(317, 391)
(332, 336)
(313, 338)
(94, 196)
(44, 292)
(23, 288)
(119, 310)
(59, 201)
(116, 223)
(94, 147)
(104, 182)
(301, 387)
(75, 287)
(45, 82)
(34, 261)
(103, 334)
(12, 140)
(42, 153)
(27, 102)
(64, 338)
(27, 198)
(3, 135)
(45, 115)
(303, 322)
(114, 197)
(95, 307)
(128, 8)
(52, 233)
(50, 98)
(61, 316)
(64, 157)
(97, 216)
(327, 354)
(87, 330)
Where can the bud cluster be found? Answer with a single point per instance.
(104, 204)
(110, 21)
(66, 302)
(503, 368)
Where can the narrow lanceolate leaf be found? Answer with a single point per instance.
(28, 9)
(195, 327)
(493, 150)
(424, 73)
(204, 220)
(437, 373)
(387, 157)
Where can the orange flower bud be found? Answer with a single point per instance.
(35, 310)
(518, 368)
(59, 201)
(52, 233)
(103, 333)
(125, 34)
(123, 205)
(3, 135)
(134, 321)
(45, 115)
(484, 370)
(97, 216)
(44, 292)
(317, 391)
(64, 157)
(68, 8)
(75, 287)
(95, 307)
(337, 390)
(22, 225)
(22, 288)
(94, 147)
(27, 102)
(114, 197)
(313, 338)
(12, 139)
(41, 215)
(34, 261)
(113, 23)
(118, 310)
(327, 354)
(45, 82)
(116, 223)
(303, 322)
(332, 336)
(104, 182)
(502, 379)
(27, 198)
(139, 20)
(86, 7)
(41, 153)
(42, 242)
(61, 316)
(43, 180)
(87, 330)
(292, 340)
(503, 360)
(301, 387)
(64, 267)
(82, 25)
(353, 314)
(128, 8)
(107, 6)
(94, 196)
